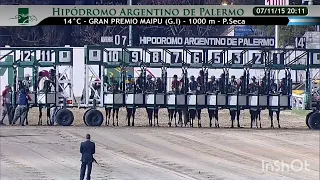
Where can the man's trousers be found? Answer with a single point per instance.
(83, 170)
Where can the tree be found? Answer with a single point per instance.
(91, 35)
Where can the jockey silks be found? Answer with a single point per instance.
(273, 87)
(213, 86)
(130, 86)
(193, 86)
(175, 85)
(159, 86)
(150, 86)
(200, 82)
(233, 86)
(253, 87)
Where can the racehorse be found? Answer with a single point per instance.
(255, 116)
(213, 113)
(213, 87)
(271, 111)
(115, 112)
(46, 89)
(173, 114)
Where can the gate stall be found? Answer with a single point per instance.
(60, 61)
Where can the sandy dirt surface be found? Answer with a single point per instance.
(134, 153)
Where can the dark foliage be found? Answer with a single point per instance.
(88, 35)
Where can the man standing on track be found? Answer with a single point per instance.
(22, 109)
(7, 104)
(87, 149)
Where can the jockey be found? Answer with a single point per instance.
(26, 82)
(184, 83)
(273, 86)
(139, 84)
(212, 86)
(150, 85)
(200, 81)
(44, 76)
(130, 84)
(7, 104)
(253, 86)
(283, 86)
(175, 84)
(114, 84)
(233, 85)
(193, 84)
(159, 86)
(241, 85)
(222, 83)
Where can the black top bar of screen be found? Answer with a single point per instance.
(163, 20)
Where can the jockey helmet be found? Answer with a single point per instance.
(149, 77)
(129, 76)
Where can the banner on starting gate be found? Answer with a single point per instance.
(192, 41)
(223, 41)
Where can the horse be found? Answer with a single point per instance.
(115, 112)
(172, 113)
(131, 113)
(271, 111)
(234, 114)
(213, 113)
(255, 115)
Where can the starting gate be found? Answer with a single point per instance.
(271, 61)
(57, 61)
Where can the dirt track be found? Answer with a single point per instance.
(160, 152)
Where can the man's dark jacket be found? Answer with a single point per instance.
(87, 149)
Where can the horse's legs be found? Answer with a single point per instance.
(113, 113)
(170, 113)
(155, 116)
(193, 116)
(107, 114)
(271, 117)
(117, 115)
(278, 118)
(169, 117)
(259, 117)
(238, 117)
(252, 117)
(133, 115)
(211, 113)
(175, 117)
(216, 116)
(48, 117)
(149, 113)
(233, 117)
(40, 116)
(129, 113)
(199, 117)
(256, 118)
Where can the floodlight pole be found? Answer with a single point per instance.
(130, 26)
